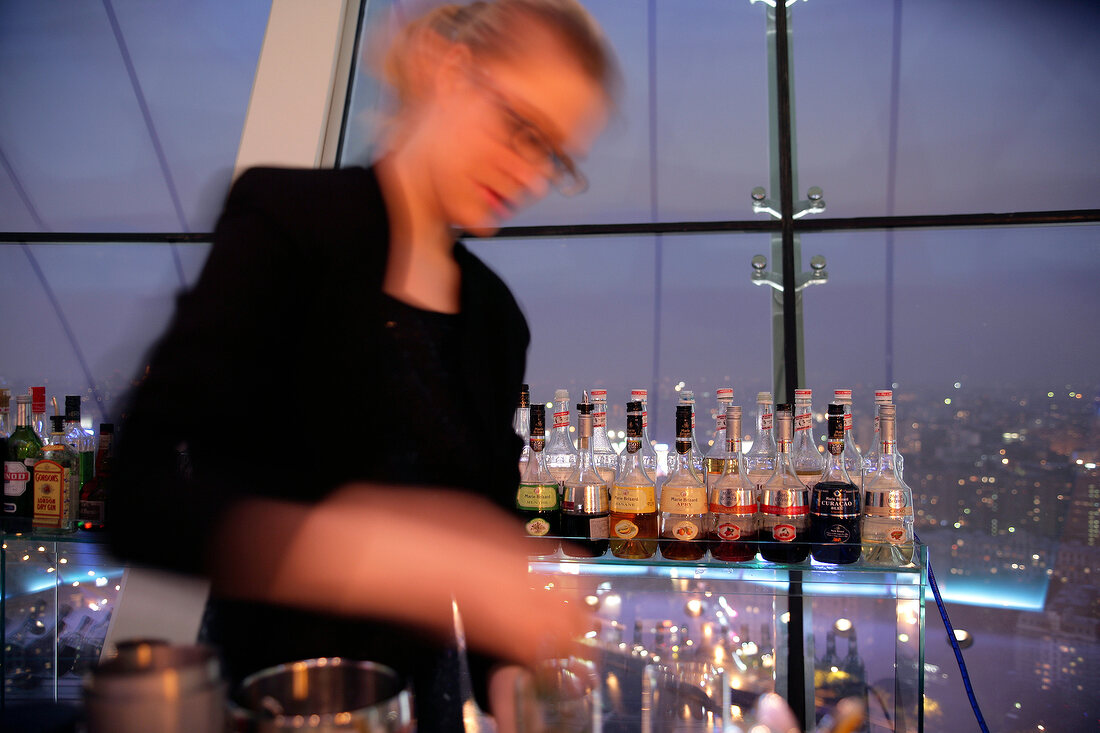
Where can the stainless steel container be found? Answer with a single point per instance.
(152, 685)
(327, 694)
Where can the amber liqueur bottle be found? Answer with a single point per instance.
(784, 503)
(733, 502)
(633, 499)
(584, 510)
(683, 498)
(835, 502)
(537, 496)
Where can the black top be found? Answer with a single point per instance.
(289, 316)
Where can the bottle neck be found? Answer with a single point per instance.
(561, 416)
(22, 415)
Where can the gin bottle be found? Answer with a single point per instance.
(683, 498)
(760, 458)
(633, 498)
(733, 502)
(584, 509)
(805, 457)
(604, 454)
(784, 503)
(560, 453)
(887, 504)
(537, 497)
(719, 453)
(835, 502)
(56, 483)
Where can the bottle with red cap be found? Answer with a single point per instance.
(719, 453)
(805, 457)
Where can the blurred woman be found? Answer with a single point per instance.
(342, 377)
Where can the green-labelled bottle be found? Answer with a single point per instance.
(24, 448)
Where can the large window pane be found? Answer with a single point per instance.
(85, 152)
(997, 105)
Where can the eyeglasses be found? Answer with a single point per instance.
(533, 146)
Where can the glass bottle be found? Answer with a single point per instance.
(719, 451)
(604, 454)
(24, 449)
(805, 457)
(537, 499)
(760, 458)
(784, 503)
(835, 502)
(633, 499)
(887, 504)
(683, 501)
(873, 460)
(521, 424)
(584, 508)
(687, 397)
(853, 458)
(79, 439)
(56, 483)
(38, 413)
(733, 503)
(649, 453)
(5, 412)
(560, 453)
(93, 495)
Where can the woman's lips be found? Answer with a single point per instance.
(501, 206)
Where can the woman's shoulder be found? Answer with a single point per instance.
(298, 186)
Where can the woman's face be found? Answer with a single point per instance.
(498, 134)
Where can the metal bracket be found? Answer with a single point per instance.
(812, 204)
(762, 276)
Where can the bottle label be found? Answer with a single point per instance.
(837, 533)
(50, 478)
(633, 499)
(685, 530)
(898, 536)
(731, 531)
(803, 422)
(599, 420)
(726, 505)
(625, 529)
(645, 419)
(16, 478)
(537, 496)
(538, 527)
(684, 500)
(720, 422)
(785, 511)
(847, 421)
(836, 503)
(599, 528)
(561, 419)
(767, 420)
(784, 533)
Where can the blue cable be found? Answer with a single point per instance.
(955, 645)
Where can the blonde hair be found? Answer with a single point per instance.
(494, 30)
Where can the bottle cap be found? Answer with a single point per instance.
(803, 394)
(5, 399)
(843, 395)
(22, 399)
(683, 422)
(784, 407)
(639, 394)
(584, 408)
(724, 393)
(561, 394)
(38, 399)
(634, 406)
(524, 396)
(599, 395)
(884, 395)
(764, 397)
(57, 423)
(72, 406)
(687, 397)
(836, 408)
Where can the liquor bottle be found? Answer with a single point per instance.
(887, 504)
(760, 459)
(92, 513)
(683, 503)
(784, 503)
(687, 397)
(633, 499)
(38, 413)
(719, 451)
(537, 499)
(560, 453)
(649, 454)
(805, 457)
(521, 423)
(853, 458)
(79, 439)
(584, 509)
(872, 459)
(56, 483)
(24, 448)
(5, 412)
(605, 455)
(835, 502)
(733, 502)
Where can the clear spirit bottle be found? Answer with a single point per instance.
(521, 424)
(733, 502)
(805, 456)
(604, 454)
(719, 450)
(56, 483)
(584, 509)
(784, 503)
(649, 453)
(683, 503)
(24, 449)
(760, 458)
(835, 502)
(79, 439)
(887, 504)
(853, 458)
(633, 498)
(560, 453)
(537, 499)
(873, 460)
